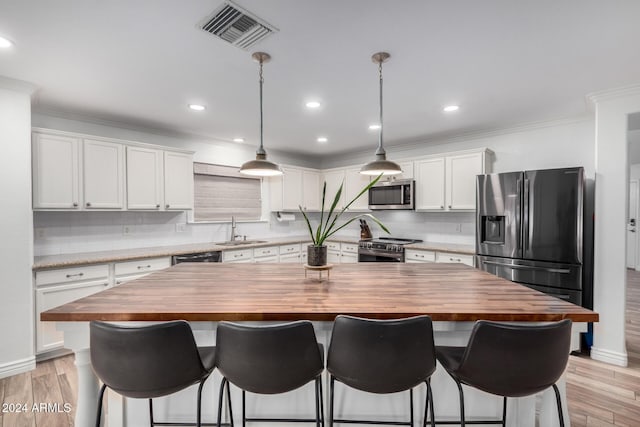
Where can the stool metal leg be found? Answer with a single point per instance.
(220, 398)
(411, 407)
(504, 411)
(321, 399)
(100, 396)
(331, 389)
(462, 424)
(559, 403)
(317, 394)
(429, 406)
(244, 408)
(151, 412)
(199, 403)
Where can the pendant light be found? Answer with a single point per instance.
(261, 166)
(380, 165)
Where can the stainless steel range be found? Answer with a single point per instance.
(384, 249)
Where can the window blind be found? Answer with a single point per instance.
(221, 192)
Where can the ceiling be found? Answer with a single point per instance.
(504, 62)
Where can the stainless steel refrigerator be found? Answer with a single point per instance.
(529, 229)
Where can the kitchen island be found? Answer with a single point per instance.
(453, 295)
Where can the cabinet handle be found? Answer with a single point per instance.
(449, 206)
(140, 267)
(75, 204)
(455, 259)
(158, 206)
(75, 275)
(236, 256)
(421, 256)
(88, 204)
(167, 206)
(441, 206)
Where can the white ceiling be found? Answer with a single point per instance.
(505, 62)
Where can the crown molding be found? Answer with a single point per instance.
(17, 85)
(609, 94)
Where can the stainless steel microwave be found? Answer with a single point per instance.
(395, 194)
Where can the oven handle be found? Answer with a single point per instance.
(397, 256)
(527, 267)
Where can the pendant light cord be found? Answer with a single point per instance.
(380, 149)
(261, 80)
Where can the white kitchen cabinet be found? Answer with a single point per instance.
(416, 255)
(407, 172)
(290, 258)
(461, 180)
(103, 174)
(290, 253)
(346, 258)
(450, 257)
(238, 255)
(178, 181)
(129, 270)
(334, 180)
(145, 186)
(354, 182)
(266, 254)
(291, 189)
(61, 286)
(333, 257)
(430, 184)
(56, 172)
(348, 253)
(311, 190)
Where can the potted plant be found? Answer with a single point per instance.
(317, 251)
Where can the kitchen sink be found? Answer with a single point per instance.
(240, 242)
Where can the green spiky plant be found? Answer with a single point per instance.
(327, 227)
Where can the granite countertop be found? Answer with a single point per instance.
(84, 258)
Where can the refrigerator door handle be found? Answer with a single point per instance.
(526, 220)
(518, 221)
(527, 267)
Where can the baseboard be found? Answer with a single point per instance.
(17, 367)
(608, 356)
(41, 357)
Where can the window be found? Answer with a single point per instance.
(221, 192)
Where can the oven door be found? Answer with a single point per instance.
(366, 255)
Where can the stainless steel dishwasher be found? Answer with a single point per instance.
(212, 256)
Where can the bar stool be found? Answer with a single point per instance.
(510, 361)
(149, 361)
(270, 360)
(382, 356)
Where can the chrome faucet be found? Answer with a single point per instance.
(233, 229)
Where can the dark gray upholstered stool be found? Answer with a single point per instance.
(510, 361)
(270, 360)
(149, 361)
(382, 356)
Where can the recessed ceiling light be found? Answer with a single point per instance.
(374, 126)
(312, 104)
(197, 107)
(5, 43)
(238, 139)
(450, 108)
(322, 139)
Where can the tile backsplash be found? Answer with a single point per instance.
(74, 232)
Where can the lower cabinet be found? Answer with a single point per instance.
(417, 255)
(348, 253)
(456, 258)
(412, 255)
(130, 270)
(48, 297)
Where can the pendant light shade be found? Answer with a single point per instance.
(261, 166)
(380, 165)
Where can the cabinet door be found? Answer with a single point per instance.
(407, 170)
(144, 178)
(291, 189)
(333, 257)
(348, 258)
(47, 337)
(290, 258)
(430, 184)
(354, 182)
(56, 183)
(447, 257)
(461, 180)
(103, 170)
(333, 179)
(178, 181)
(311, 190)
(275, 192)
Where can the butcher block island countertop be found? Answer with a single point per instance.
(269, 292)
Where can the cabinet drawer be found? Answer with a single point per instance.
(333, 246)
(290, 249)
(455, 258)
(74, 274)
(239, 255)
(290, 258)
(421, 256)
(268, 251)
(350, 248)
(142, 266)
(269, 258)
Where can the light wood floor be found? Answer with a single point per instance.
(598, 394)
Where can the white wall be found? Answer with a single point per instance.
(16, 229)
(612, 189)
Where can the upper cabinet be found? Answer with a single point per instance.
(448, 183)
(82, 173)
(178, 181)
(354, 182)
(103, 170)
(56, 168)
(294, 188)
(334, 179)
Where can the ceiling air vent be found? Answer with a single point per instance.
(237, 26)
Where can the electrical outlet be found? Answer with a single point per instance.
(181, 227)
(458, 228)
(127, 230)
(40, 234)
